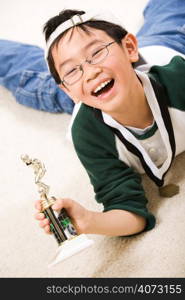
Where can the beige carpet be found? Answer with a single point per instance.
(25, 249)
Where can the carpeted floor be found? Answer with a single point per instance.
(25, 249)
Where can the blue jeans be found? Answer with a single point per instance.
(164, 25)
(24, 72)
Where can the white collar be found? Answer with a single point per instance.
(154, 106)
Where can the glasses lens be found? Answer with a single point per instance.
(99, 55)
(73, 76)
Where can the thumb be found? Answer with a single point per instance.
(62, 203)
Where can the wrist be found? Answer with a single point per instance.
(92, 222)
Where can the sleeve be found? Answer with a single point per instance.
(171, 76)
(116, 185)
(24, 72)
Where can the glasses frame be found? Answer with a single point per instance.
(80, 67)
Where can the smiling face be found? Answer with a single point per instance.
(106, 85)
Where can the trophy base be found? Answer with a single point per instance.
(71, 247)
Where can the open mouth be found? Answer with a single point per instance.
(103, 88)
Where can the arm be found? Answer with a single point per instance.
(115, 223)
(117, 187)
(111, 223)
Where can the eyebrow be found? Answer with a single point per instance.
(84, 48)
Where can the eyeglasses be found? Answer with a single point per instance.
(98, 55)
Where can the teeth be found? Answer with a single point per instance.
(102, 85)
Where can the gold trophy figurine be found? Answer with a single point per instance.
(60, 224)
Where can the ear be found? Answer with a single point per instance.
(129, 43)
(68, 92)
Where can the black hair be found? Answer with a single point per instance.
(116, 32)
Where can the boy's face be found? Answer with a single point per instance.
(106, 85)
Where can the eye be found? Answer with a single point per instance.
(97, 52)
(71, 72)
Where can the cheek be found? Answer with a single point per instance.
(77, 93)
(124, 72)
(112, 63)
(116, 66)
(74, 93)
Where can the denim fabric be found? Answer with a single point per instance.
(24, 72)
(164, 24)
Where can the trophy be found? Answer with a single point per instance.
(68, 240)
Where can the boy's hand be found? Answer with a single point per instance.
(79, 215)
(114, 222)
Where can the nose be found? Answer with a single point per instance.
(92, 72)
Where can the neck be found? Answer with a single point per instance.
(137, 112)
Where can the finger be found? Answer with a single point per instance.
(58, 204)
(39, 216)
(62, 203)
(44, 223)
(47, 229)
(38, 205)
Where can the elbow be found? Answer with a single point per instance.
(138, 225)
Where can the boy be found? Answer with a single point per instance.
(128, 121)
